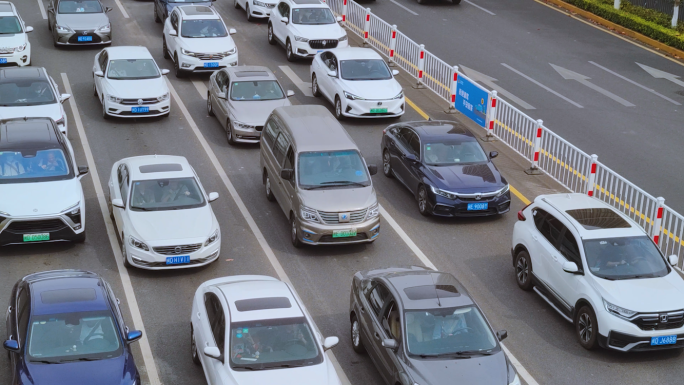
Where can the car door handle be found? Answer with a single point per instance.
(555, 258)
(363, 310)
(377, 336)
(199, 316)
(535, 238)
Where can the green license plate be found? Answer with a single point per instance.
(36, 237)
(378, 110)
(344, 233)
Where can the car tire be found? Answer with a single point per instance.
(386, 164)
(193, 348)
(123, 254)
(165, 49)
(105, 115)
(338, 108)
(355, 334)
(210, 110)
(157, 19)
(49, 26)
(271, 37)
(267, 185)
(586, 327)
(294, 233)
(423, 201)
(314, 86)
(229, 133)
(288, 52)
(79, 238)
(95, 89)
(523, 270)
(176, 67)
(249, 14)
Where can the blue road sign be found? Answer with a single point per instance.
(471, 101)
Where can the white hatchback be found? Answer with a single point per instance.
(358, 82)
(15, 46)
(252, 329)
(162, 213)
(601, 272)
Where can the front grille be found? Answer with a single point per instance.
(177, 250)
(652, 321)
(210, 56)
(318, 44)
(41, 226)
(330, 239)
(334, 218)
(134, 102)
(74, 38)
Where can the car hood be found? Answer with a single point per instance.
(209, 44)
(491, 370)
(372, 89)
(173, 226)
(321, 374)
(41, 198)
(53, 111)
(114, 371)
(338, 199)
(645, 294)
(82, 21)
(256, 113)
(13, 40)
(328, 31)
(133, 89)
(467, 179)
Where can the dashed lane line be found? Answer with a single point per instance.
(201, 88)
(482, 8)
(123, 10)
(407, 9)
(303, 86)
(42, 9)
(542, 86)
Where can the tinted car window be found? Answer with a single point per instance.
(26, 166)
(271, 130)
(79, 6)
(281, 146)
(23, 312)
(377, 298)
(625, 258)
(9, 25)
(333, 169)
(415, 145)
(26, 92)
(569, 248)
(203, 28)
(166, 194)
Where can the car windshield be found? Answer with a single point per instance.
(34, 92)
(372, 69)
(450, 153)
(203, 28)
(166, 194)
(81, 336)
(24, 166)
(277, 343)
(625, 258)
(9, 25)
(312, 16)
(332, 169)
(79, 6)
(261, 90)
(133, 69)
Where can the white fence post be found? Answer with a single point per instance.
(344, 11)
(658, 220)
(491, 116)
(675, 13)
(534, 168)
(421, 66)
(591, 181)
(616, 4)
(454, 89)
(393, 44)
(366, 27)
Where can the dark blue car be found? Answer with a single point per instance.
(65, 327)
(162, 8)
(447, 170)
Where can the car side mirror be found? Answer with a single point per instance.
(11, 346)
(390, 344)
(332, 74)
(108, 9)
(286, 173)
(213, 196)
(165, 72)
(501, 335)
(330, 342)
(395, 72)
(232, 31)
(213, 352)
(29, 29)
(372, 169)
(64, 97)
(338, 18)
(118, 203)
(570, 267)
(173, 32)
(221, 95)
(289, 93)
(99, 74)
(673, 259)
(284, 20)
(83, 171)
(493, 154)
(133, 336)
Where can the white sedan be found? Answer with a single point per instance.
(358, 82)
(162, 213)
(129, 83)
(253, 329)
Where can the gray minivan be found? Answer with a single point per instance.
(315, 171)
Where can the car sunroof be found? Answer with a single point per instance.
(598, 218)
(416, 293)
(263, 303)
(68, 295)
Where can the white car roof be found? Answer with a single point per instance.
(158, 167)
(198, 12)
(128, 52)
(307, 4)
(256, 289)
(7, 9)
(355, 53)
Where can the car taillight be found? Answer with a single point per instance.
(521, 216)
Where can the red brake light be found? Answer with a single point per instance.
(521, 216)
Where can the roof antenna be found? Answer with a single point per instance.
(436, 292)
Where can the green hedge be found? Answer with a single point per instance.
(636, 23)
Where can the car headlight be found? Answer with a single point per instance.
(64, 28)
(137, 244)
(114, 99)
(373, 211)
(503, 190)
(105, 28)
(302, 39)
(516, 380)
(163, 97)
(21, 48)
(618, 311)
(443, 193)
(352, 96)
(242, 126)
(73, 209)
(399, 95)
(308, 214)
(212, 238)
(187, 53)
(230, 52)
(344, 38)
(259, 3)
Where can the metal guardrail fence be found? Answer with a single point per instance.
(546, 151)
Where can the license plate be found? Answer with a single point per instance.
(378, 110)
(140, 110)
(664, 340)
(3, 61)
(178, 260)
(85, 38)
(344, 233)
(478, 206)
(36, 237)
(211, 65)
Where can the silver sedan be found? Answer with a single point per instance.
(79, 22)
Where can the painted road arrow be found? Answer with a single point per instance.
(584, 80)
(489, 81)
(658, 74)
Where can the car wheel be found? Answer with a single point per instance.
(294, 233)
(338, 108)
(423, 201)
(386, 165)
(271, 38)
(193, 347)
(80, 238)
(249, 13)
(269, 192)
(586, 327)
(105, 115)
(288, 51)
(314, 86)
(176, 67)
(356, 335)
(94, 89)
(49, 26)
(123, 254)
(229, 133)
(523, 270)
(156, 15)
(165, 49)
(210, 110)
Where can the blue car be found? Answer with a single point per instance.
(66, 327)
(163, 8)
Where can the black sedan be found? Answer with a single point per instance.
(421, 326)
(446, 169)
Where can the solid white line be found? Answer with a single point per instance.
(477, 6)
(201, 88)
(123, 10)
(405, 8)
(542, 86)
(42, 9)
(636, 84)
(245, 212)
(303, 86)
(148, 359)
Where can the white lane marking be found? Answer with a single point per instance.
(245, 213)
(522, 372)
(541, 85)
(477, 6)
(489, 82)
(305, 87)
(658, 74)
(584, 80)
(636, 84)
(148, 359)
(405, 8)
(201, 88)
(121, 7)
(42, 9)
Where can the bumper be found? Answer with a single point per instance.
(243, 135)
(151, 260)
(259, 11)
(302, 49)
(320, 234)
(193, 64)
(362, 108)
(16, 59)
(125, 111)
(57, 227)
(625, 336)
(444, 207)
(71, 38)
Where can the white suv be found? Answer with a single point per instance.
(600, 271)
(304, 28)
(197, 40)
(14, 44)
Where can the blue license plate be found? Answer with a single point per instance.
(3, 61)
(140, 110)
(211, 65)
(478, 206)
(178, 260)
(664, 340)
(85, 38)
